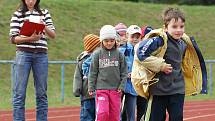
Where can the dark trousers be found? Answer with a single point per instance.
(173, 104)
(123, 114)
(141, 107)
(141, 103)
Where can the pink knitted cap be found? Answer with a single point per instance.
(120, 27)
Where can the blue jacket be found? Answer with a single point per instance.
(128, 50)
(86, 67)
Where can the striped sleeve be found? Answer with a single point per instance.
(48, 20)
(15, 25)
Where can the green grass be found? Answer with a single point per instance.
(54, 88)
(74, 19)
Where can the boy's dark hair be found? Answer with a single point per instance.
(172, 13)
(23, 7)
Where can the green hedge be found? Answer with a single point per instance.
(184, 2)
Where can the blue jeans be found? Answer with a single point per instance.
(128, 113)
(38, 62)
(88, 110)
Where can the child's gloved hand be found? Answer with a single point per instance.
(166, 68)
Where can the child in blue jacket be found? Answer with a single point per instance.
(133, 36)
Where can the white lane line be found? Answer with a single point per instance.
(186, 104)
(196, 117)
(31, 110)
(54, 117)
(201, 105)
(203, 109)
(29, 113)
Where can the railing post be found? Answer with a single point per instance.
(11, 71)
(211, 80)
(12, 78)
(62, 83)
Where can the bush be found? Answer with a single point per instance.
(197, 2)
(187, 2)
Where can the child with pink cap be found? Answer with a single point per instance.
(121, 32)
(133, 36)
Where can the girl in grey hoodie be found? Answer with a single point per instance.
(108, 73)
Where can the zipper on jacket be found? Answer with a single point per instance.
(109, 53)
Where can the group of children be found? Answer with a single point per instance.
(117, 64)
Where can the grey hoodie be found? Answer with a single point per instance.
(108, 70)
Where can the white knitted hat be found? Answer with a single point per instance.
(107, 32)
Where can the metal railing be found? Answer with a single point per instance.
(63, 63)
(210, 62)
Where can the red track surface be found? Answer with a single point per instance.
(193, 111)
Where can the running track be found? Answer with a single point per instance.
(193, 111)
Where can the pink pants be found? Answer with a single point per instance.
(108, 103)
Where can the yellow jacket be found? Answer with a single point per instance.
(143, 72)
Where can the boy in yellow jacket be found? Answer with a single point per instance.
(167, 66)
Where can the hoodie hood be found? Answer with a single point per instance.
(83, 55)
